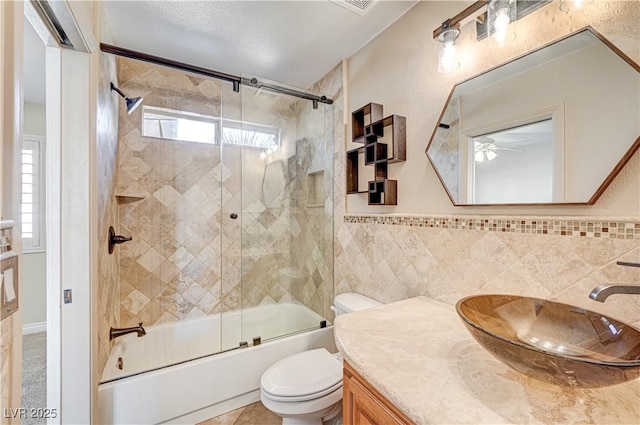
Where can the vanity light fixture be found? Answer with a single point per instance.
(449, 31)
(493, 18)
(132, 103)
(500, 17)
(447, 60)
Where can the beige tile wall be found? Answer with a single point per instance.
(171, 269)
(393, 262)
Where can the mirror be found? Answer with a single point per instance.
(554, 126)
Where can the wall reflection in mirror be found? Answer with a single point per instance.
(553, 126)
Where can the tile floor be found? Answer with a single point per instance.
(253, 414)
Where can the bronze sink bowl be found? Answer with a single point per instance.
(553, 342)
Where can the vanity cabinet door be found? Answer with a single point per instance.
(363, 405)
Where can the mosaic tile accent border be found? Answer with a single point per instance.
(563, 226)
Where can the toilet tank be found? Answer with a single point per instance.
(350, 302)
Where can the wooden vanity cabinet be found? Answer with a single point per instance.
(364, 405)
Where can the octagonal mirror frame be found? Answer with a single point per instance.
(465, 146)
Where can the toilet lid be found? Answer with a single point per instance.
(314, 372)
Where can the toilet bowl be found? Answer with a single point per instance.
(306, 388)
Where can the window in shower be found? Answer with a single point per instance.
(179, 125)
(191, 127)
(250, 135)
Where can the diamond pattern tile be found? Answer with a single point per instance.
(167, 195)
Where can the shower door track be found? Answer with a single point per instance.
(233, 79)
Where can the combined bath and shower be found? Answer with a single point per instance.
(132, 103)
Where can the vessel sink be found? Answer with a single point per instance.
(553, 341)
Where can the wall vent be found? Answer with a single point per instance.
(357, 6)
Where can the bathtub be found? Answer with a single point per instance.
(170, 376)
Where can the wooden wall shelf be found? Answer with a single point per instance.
(362, 119)
(384, 143)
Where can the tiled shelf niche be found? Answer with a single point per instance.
(384, 142)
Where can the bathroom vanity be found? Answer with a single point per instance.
(413, 361)
(363, 404)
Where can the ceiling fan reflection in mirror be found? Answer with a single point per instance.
(485, 149)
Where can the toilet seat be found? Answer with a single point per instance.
(307, 397)
(303, 376)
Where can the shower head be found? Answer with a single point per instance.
(132, 103)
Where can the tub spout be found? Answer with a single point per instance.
(117, 332)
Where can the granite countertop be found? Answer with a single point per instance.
(419, 355)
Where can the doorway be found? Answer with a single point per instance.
(33, 222)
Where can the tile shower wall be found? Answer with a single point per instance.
(388, 258)
(169, 204)
(107, 142)
(268, 197)
(188, 258)
(312, 246)
(287, 205)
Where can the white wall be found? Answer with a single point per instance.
(34, 287)
(34, 119)
(34, 278)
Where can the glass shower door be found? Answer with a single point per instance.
(286, 214)
(230, 175)
(169, 202)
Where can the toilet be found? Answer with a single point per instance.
(306, 388)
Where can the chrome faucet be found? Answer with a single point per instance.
(117, 332)
(602, 292)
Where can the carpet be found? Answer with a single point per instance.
(34, 375)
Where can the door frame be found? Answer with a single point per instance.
(71, 219)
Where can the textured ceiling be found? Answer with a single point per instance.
(291, 42)
(34, 66)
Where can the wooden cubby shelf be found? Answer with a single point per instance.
(362, 119)
(384, 142)
(383, 192)
(374, 152)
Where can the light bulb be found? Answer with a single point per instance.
(447, 61)
(479, 157)
(501, 15)
(491, 155)
(501, 26)
(447, 58)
